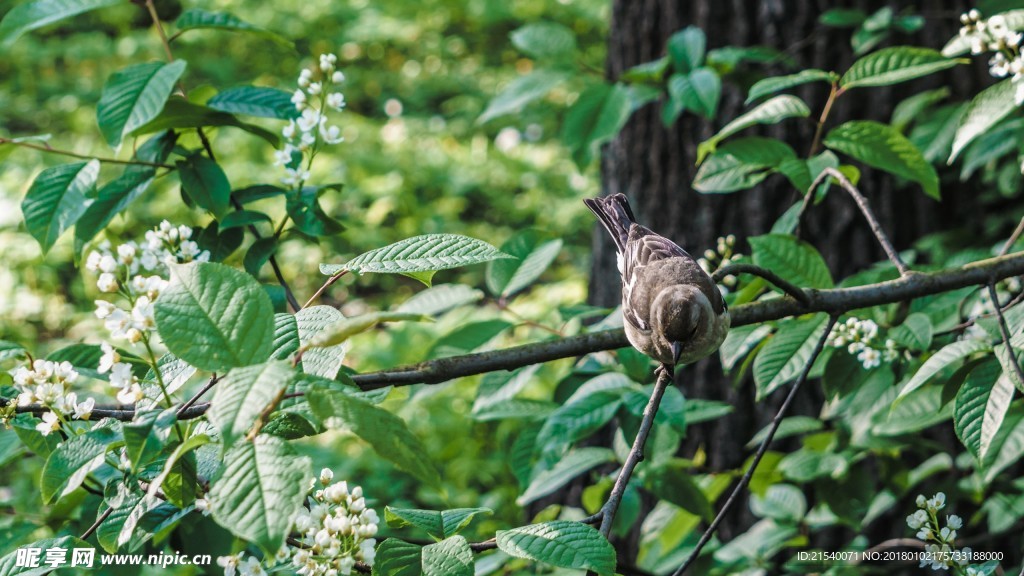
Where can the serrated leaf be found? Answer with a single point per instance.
(545, 40)
(981, 406)
(894, 65)
(68, 465)
(440, 299)
(134, 96)
(9, 564)
(740, 164)
(497, 387)
(340, 331)
(1007, 445)
(986, 110)
(197, 19)
(440, 525)
(260, 488)
(32, 15)
(740, 341)
(771, 111)
(561, 543)
(595, 118)
(570, 466)
(179, 476)
(315, 324)
(779, 83)
(387, 433)
(579, 417)
(787, 353)
(142, 437)
(883, 147)
(398, 558)
(57, 199)
(945, 357)
(530, 258)
(450, 557)
(520, 92)
(791, 258)
(215, 317)
(255, 101)
(686, 48)
(129, 506)
(419, 254)
(242, 395)
(206, 184)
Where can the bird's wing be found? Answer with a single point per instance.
(643, 248)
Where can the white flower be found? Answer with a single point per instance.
(49, 424)
(107, 282)
(289, 130)
(304, 77)
(121, 375)
(315, 88)
(309, 120)
(327, 62)
(251, 567)
(337, 77)
(326, 475)
(130, 394)
(107, 263)
(954, 522)
(92, 262)
(336, 100)
(295, 175)
(230, 563)
(108, 359)
(84, 409)
(869, 358)
(921, 502)
(331, 134)
(142, 314)
(937, 502)
(284, 156)
(299, 99)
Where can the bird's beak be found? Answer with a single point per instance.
(677, 351)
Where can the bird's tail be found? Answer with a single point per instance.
(615, 216)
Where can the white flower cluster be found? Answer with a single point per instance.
(313, 98)
(49, 383)
(994, 35)
(121, 271)
(234, 564)
(940, 553)
(723, 255)
(858, 338)
(121, 377)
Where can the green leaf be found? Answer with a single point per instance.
(387, 433)
(686, 48)
(142, 437)
(561, 543)
(440, 299)
(580, 416)
(981, 406)
(570, 466)
(915, 332)
(676, 485)
(206, 184)
(419, 254)
(179, 113)
(909, 109)
(520, 92)
(779, 83)
(440, 525)
(530, 258)
(789, 427)
(545, 41)
(842, 18)
(1008, 444)
(883, 147)
(179, 475)
(11, 350)
(9, 563)
(771, 111)
(781, 502)
(340, 331)
(894, 65)
(243, 394)
(197, 19)
(243, 218)
(260, 488)
(215, 317)
(258, 254)
(740, 341)
(398, 558)
(33, 15)
(697, 91)
(986, 110)
(315, 324)
(258, 192)
(787, 353)
(68, 465)
(792, 259)
(948, 355)
(129, 506)
(134, 96)
(595, 118)
(741, 164)
(57, 199)
(450, 557)
(255, 101)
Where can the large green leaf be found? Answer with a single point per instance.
(129, 505)
(686, 48)
(561, 543)
(260, 489)
(313, 324)
(57, 199)
(215, 317)
(595, 118)
(179, 113)
(791, 258)
(787, 353)
(520, 92)
(893, 65)
(981, 406)
(332, 331)
(32, 15)
(986, 110)
(770, 111)
(697, 91)
(440, 525)
(440, 299)
(450, 557)
(68, 465)
(1008, 445)
(9, 563)
(677, 485)
(740, 164)
(255, 101)
(134, 96)
(779, 83)
(545, 41)
(530, 258)
(398, 558)
(948, 355)
(387, 433)
(197, 19)
(883, 147)
(243, 394)
(420, 254)
(205, 183)
(570, 466)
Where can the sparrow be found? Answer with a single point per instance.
(671, 309)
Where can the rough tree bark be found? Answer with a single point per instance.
(654, 167)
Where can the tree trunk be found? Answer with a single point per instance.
(654, 167)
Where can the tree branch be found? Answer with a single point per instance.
(745, 480)
(789, 288)
(48, 149)
(95, 525)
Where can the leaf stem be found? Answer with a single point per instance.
(48, 149)
(833, 94)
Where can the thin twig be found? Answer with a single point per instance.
(195, 398)
(272, 260)
(95, 525)
(789, 288)
(762, 449)
(636, 453)
(503, 306)
(326, 284)
(1013, 238)
(1004, 329)
(44, 148)
(160, 30)
(816, 141)
(971, 321)
(862, 204)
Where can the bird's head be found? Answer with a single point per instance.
(682, 312)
